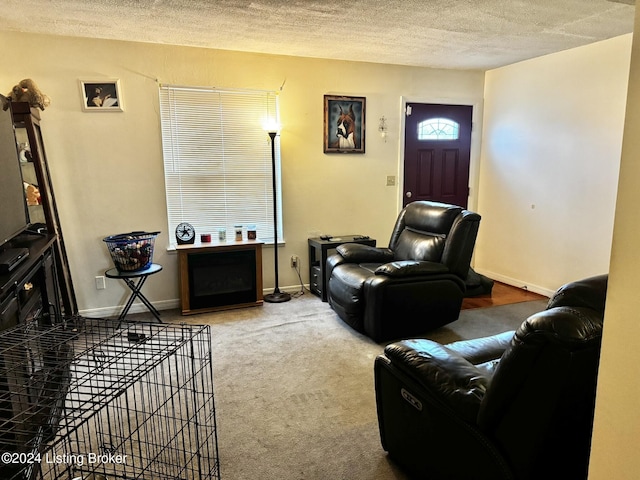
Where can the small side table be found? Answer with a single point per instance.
(318, 253)
(135, 287)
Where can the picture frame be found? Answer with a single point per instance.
(101, 95)
(344, 124)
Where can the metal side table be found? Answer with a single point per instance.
(136, 287)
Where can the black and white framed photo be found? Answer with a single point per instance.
(344, 122)
(101, 95)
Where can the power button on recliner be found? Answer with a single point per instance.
(415, 403)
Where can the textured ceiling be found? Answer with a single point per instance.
(477, 34)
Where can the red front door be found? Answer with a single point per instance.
(437, 153)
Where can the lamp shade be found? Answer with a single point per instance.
(271, 126)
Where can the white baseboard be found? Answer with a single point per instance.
(114, 311)
(139, 307)
(515, 282)
(289, 289)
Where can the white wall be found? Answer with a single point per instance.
(614, 452)
(552, 138)
(107, 167)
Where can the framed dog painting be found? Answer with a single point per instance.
(101, 96)
(344, 121)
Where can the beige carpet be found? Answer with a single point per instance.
(294, 388)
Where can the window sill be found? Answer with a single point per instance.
(171, 249)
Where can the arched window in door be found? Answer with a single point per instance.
(438, 129)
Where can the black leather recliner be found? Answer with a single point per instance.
(511, 406)
(413, 286)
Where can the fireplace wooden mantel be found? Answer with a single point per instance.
(208, 263)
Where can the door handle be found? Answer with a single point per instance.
(408, 194)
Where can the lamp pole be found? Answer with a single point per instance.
(277, 296)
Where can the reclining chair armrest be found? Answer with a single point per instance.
(411, 268)
(443, 373)
(426, 432)
(333, 261)
(485, 349)
(358, 253)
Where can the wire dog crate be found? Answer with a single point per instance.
(90, 401)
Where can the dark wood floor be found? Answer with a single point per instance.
(501, 294)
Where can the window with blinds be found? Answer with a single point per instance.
(217, 159)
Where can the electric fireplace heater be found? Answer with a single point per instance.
(219, 277)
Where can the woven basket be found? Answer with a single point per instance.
(131, 252)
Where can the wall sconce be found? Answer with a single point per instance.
(382, 128)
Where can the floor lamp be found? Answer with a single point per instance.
(277, 296)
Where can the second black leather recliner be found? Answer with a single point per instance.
(413, 286)
(514, 406)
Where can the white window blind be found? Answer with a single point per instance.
(217, 159)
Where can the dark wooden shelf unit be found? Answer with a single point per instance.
(26, 121)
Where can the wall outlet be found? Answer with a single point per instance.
(391, 180)
(101, 283)
(294, 261)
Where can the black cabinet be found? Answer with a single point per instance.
(30, 292)
(319, 251)
(9, 312)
